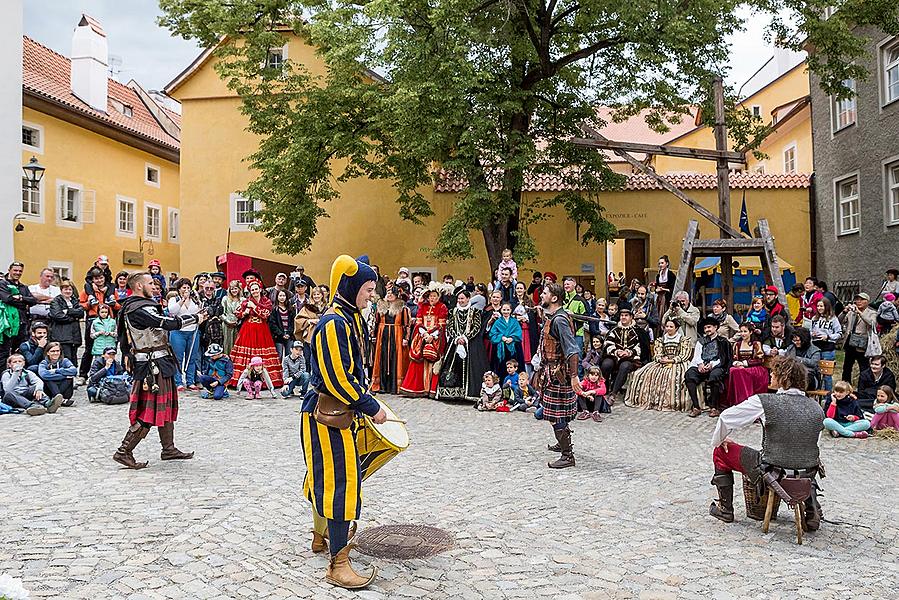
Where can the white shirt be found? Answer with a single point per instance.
(189, 308)
(43, 310)
(742, 414)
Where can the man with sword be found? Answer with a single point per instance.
(143, 336)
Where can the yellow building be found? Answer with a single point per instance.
(365, 218)
(111, 154)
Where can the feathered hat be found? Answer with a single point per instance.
(348, 274)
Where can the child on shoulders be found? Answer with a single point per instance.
(491, 393)
(593, 400)
(886, 410)
(844, 417)
(887, 313)
(507, 262)
(254, 377)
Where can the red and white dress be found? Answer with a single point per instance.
(420, 379)
(255, 339)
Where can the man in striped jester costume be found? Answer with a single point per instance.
(333, 482)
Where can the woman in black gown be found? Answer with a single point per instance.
(465, 360)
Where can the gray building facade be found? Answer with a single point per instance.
(856, 160)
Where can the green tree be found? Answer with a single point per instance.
(489, 91)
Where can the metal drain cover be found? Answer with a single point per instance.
(403, 541)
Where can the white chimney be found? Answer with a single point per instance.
(90, 60)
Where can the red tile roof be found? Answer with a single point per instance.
(447, 183)
(47, 74)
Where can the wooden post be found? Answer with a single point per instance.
(727, 276)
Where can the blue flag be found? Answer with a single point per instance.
(744, 218)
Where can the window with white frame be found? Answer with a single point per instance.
(790, 159)
(126, 216)
(847, 205)
(756, 111)
(33, 137)
(275, 59)
(151, 175)
(843, 111)
(174, 225)
(760, 168)
(891, 179)
(69, 201)
(152, 221)
(31, 198)
(243, 213)
(829, 11)
(62, 270)
(890, 60)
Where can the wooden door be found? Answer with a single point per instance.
(634, 259)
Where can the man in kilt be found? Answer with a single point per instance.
(559, 357)
(143, 337)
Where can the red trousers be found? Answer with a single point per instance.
(728, 461)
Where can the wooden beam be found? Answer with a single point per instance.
(748, 246)
(723, 169)
(771, 264)
(671, 188)
(678, 151)
(686, 259)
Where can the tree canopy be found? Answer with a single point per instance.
(489, 90)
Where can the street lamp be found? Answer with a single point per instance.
(34, 172)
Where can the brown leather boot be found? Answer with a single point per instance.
(555, 447)
(340, 572)
(167, 439)
(320, 541)
(567, 458)
(723, 508)
(124, 455)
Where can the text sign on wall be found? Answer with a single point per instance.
(588, 268)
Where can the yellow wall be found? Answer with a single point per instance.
(365, 218)
(790, 86)
(107, 168)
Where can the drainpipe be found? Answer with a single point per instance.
(813, 225)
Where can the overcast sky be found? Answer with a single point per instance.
(152, 57)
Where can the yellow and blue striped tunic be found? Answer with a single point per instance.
(333, 482)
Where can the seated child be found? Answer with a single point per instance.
(510, 381)
(594, 355)
(593, 400)
(58, 373)
(886, 409)
(293, 367)
(24, 390)
(887, 313)
(102, 367)
(253, 378)
(526, 397)
(491, 392)
(219, 370)
(844, 416)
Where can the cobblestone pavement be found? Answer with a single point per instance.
(629, 522)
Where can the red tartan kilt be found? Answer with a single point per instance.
(559, 402)
(154, 409)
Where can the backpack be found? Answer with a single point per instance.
(115, 389)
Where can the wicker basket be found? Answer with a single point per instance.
(755, 505)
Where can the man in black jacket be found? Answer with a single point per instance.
(143, 337)
(16, 294)
(876, 375)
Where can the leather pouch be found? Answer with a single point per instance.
(332, 412)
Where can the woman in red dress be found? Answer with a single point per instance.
(254, 337)
(428, 344)
(748, 375)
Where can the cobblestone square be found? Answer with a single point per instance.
(630, 521)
